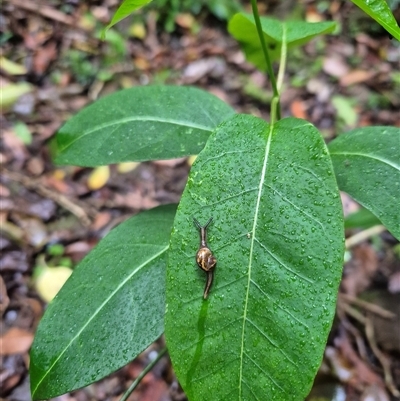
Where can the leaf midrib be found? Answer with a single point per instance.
(260, 189)
(135, 118)
(368, 156)
(96, 313)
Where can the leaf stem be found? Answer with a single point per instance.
(275, 105)
(143, 374)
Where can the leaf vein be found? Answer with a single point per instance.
(204, 205)
(230, 283)
(283, 265)
(296, 207)
(211, 334)
(313, 174)
(213, 372)
(279, 306)
(270, 341)
(230, 242)
(251, 390)
(223, 154)
(264, 372)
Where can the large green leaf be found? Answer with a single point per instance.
(367, 167)
(294, 33)
(381, 13)
(126, 8)
(277, 235)
(140, 123)
(110, 309)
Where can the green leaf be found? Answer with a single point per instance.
(367, 167)
(277, 235)
(224, 9)
(140, 123)
(127, 7)
(12, 92)
(22, 132)
(12, 68)
(381, 13)
(109, 310)
(346, 109)
(363, 218)
(295, 33)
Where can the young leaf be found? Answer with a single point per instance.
(379, 10)
(110, 309)
(127, 7)
(140, 123)
(277, 235)
(367, 166)
(295, 33)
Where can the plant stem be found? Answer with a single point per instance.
(143, 374)
(282, 61)
(275, 105)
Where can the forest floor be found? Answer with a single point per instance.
(53, 64)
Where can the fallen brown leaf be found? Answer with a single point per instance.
(9, 382)
(298, 109)
(43, 57)
(101, 220)
(360, 270)
(14, 144)
(36, 309)
(4, 300)
(356, 77)
(335, 66)
(15, 341)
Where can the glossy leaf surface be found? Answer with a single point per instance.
(367, 166)
(140, 123)
(110, 309)
(294, 33)
(277, 235)
(379, 10)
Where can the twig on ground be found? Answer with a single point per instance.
(376, 309)
(354, 331)
(47, 12)
(364, 235)
(383, 359)
(60, 199)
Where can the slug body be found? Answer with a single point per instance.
(204, 257)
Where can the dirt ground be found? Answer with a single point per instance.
(53, 64)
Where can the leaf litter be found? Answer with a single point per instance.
(60, 65)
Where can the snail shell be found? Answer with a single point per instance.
(205, 259)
